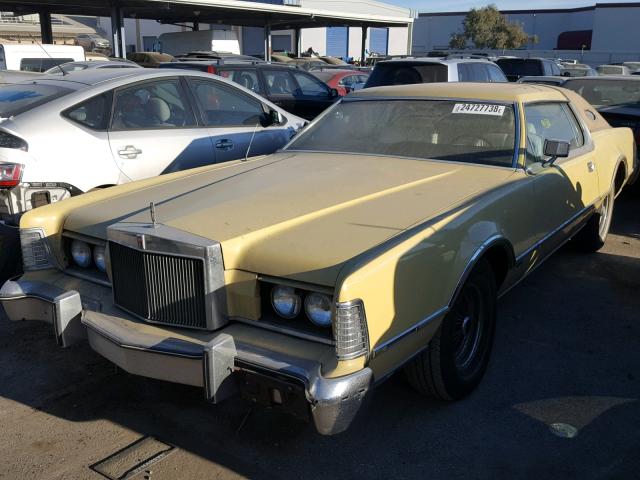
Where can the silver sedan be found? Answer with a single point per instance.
(61, 136)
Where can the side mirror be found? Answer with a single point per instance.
(273, 117)
(333, 93)
(555, 149)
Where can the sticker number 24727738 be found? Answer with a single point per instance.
(479, 109)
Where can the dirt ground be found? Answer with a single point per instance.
(560, 399)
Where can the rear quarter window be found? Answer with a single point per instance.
(16, 99)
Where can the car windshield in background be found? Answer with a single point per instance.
(607, 92)
(401, 73)
(15, 99)
(41, 64)
(520, 67)
(457, 130)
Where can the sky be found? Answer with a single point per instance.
(464, 5)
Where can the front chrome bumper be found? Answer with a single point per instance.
(281, 371)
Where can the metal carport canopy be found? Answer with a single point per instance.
(227, 12)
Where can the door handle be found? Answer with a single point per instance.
(591, 166)
(224, 144)
(129, 152)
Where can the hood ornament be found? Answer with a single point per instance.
(152, 212)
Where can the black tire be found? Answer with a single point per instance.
(451, 367)
(592, 236)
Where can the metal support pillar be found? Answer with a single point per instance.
(46, 30)
(363, 47)
(267, 42)
(298, 41)
(117, 32)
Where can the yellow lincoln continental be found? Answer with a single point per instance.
(379, 239)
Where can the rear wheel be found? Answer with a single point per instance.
(457, 356)
(593, 235)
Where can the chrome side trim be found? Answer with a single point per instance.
(490, 242)
(564, 225)
(413, 329)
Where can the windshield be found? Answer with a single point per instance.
(454, 130)
(403, 73)
(604, 93)
(15, 99)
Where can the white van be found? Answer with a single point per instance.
(37, 58)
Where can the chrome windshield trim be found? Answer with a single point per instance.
(511, 168)
(413, 329)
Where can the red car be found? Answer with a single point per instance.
(342, 80)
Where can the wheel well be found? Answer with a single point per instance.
(621, 175)
(499, 259)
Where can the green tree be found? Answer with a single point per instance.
(458, 41)
(488, 28)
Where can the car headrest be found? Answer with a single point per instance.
(159, 109)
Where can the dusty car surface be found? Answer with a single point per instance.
(380, 238)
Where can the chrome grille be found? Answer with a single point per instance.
(157, 287)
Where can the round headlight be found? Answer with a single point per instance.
(81, 253)
(318, 308)
(98, 258)
(286, 302)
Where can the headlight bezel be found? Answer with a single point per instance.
(92, 272)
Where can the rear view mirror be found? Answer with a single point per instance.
(555, 149)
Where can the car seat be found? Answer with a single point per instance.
(158, 111)
(280, 85)
(246, 81)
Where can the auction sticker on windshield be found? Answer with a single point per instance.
(479, 109)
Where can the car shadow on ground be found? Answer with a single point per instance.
(566, 351)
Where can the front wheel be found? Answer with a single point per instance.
(457, 356)
(593, 235)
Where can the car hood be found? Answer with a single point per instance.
(297, 215)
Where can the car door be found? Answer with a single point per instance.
(280, 89)
(564, 190)
(313, 96)
(234, 120)
(153, 130)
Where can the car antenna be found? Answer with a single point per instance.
(47, 54)
(251, 141)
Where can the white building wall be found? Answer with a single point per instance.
(398, 41)
(316, 38)
(355, 42)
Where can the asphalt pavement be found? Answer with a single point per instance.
(560, 399)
